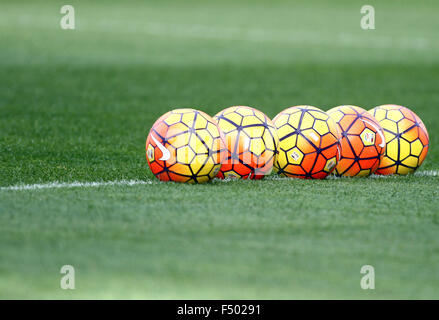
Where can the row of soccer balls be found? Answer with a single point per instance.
(187, 145)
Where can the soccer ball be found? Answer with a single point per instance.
(406, 137)
(362, 141)
(251, 143)
(309, 141)
(185, 145)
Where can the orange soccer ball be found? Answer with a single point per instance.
(406, 137)
(251, 143)
(308, 143)
(185, 145)
(362, 141)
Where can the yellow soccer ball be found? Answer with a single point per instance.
(185, 145)
(308, 143)
(362, 141)
(406, 137)
(251, 142)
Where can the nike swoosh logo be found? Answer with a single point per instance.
(383, 143)
(165, 152)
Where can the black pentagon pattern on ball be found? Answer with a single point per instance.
(193, 176)
(240, 128)
(400, 136)
(357, 156)
(299, 132)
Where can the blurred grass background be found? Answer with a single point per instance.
(76, 105)
(75, 98)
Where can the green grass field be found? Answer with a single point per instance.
(77, 105)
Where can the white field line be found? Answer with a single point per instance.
(430, 173)
(59, 185)
(427, 173)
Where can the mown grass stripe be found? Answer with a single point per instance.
(57, 185)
